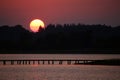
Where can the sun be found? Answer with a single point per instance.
(36, 24)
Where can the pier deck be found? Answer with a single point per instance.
(44, 61)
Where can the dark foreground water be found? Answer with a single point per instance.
(59, 72)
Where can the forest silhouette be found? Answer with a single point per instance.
(78, 38)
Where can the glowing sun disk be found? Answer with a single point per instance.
(36, 24)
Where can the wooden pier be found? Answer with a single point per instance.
(44, 61)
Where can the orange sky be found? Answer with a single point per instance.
(14, 12)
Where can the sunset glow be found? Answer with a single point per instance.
(60, 12)
(36, 24)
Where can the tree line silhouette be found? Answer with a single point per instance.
(67, 37)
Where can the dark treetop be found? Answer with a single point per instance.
(61, 38)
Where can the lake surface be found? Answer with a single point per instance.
(59, 72)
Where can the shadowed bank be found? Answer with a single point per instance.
(61, 38)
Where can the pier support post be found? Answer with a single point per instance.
(33, 62)
(85, 61)
(52, 62)
(4, 62)
(12, 62)
(76, 61)
(60, 62)
(38, 62)
(25, 62)
(68, 62)
(48, 62)
(29, 62)
(43, 62)
(19, 62)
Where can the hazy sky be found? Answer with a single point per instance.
(14, 12)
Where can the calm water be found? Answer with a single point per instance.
(59, 72)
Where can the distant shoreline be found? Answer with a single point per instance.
(109, 62)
